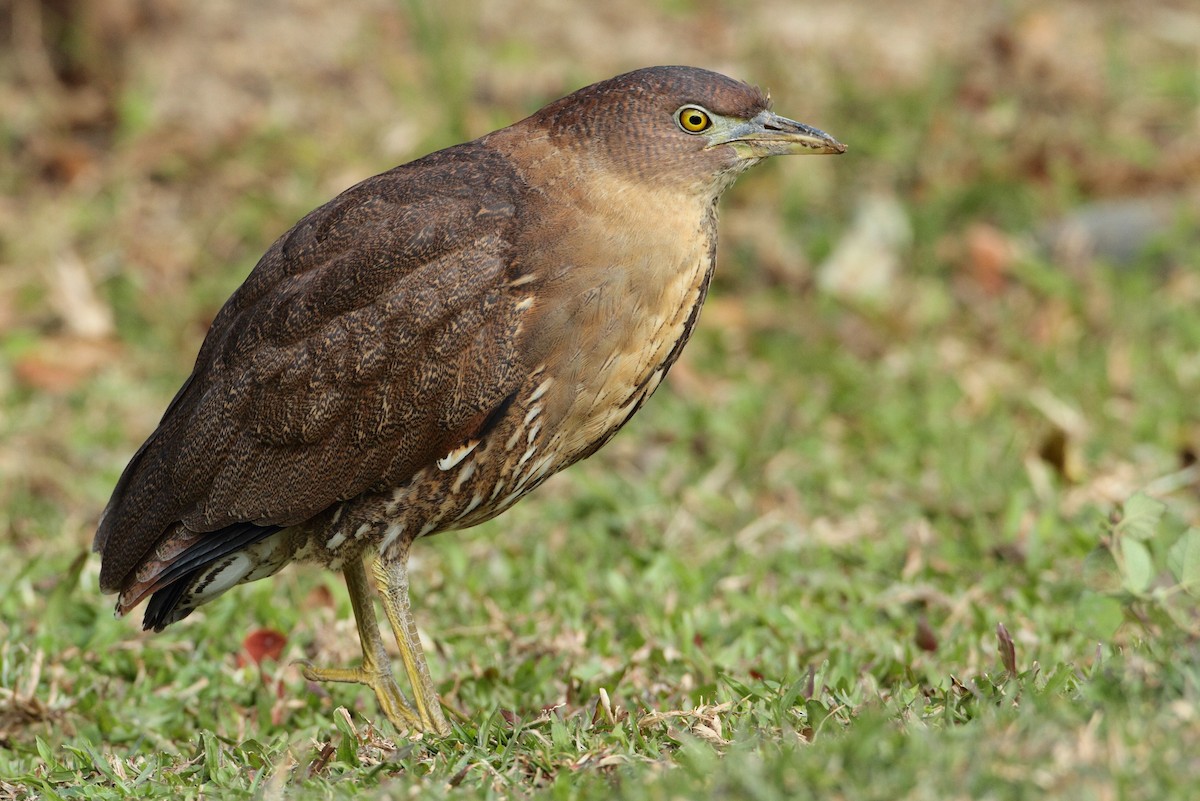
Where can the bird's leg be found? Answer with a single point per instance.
(392, 575)
(376, 669)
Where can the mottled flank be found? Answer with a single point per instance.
(430, 346)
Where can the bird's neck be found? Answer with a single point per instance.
(622, 268)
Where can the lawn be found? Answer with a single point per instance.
(910, 519)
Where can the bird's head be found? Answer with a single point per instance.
(680, 126)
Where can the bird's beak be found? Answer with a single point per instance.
(768, 134)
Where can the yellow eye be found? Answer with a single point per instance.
(693, 119)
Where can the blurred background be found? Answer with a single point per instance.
(942, 356)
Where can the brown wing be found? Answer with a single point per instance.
(369, 340)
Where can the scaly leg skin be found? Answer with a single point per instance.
(392, 577)
(376, 670)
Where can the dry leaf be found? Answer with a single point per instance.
(61, 364)
(262, 644)
(989, 254)
(925, 639)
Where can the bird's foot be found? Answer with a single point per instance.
(391, 701)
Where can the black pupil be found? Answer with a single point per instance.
(695, 120)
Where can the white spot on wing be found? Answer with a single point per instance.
(525, 456)
(512, 441)
(457, 455)
(467, 471)
(391, 535)
(533, 432)
(334, 541)
(542, 466)
(541, 390)
(476, 499)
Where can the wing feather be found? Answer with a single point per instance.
(346, 362)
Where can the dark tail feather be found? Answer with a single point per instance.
(173, 585)
(162, 604)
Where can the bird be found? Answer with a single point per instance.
(427, 348)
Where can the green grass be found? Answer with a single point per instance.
(795, 574)
(742, 575)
